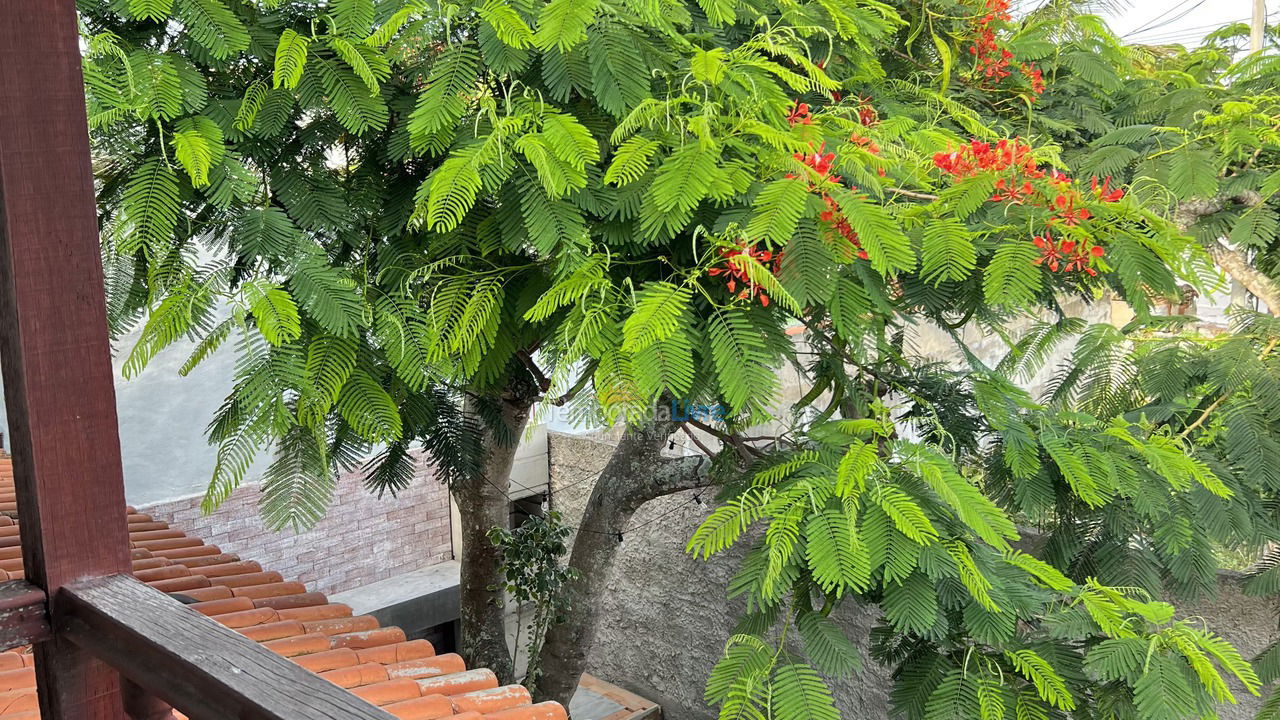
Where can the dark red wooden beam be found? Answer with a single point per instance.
(23, 618)
(189, 660)
(53, 342)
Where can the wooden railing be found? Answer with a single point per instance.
(107, 647)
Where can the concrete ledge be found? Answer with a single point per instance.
(414, 601)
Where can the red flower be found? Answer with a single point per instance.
(1068, 255)
(1035, 76)
(799, 114)
(1068, 213)
(867, 114)
(820, 162)
(977, 157)
(1104, 191)
(1007, 191)
(737, 275)
(833, 217)
(1049, 252)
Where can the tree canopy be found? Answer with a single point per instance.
(390, 205)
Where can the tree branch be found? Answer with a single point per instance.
(670, 475)
(1232, 263)
(572, 392)
(543, 382)
(1254, 280)
(911, 194)
(705, 450)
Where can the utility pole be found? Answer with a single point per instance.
(1258, 25)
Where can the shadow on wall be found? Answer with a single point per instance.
(666, 617)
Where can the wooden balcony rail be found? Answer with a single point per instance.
(107, 647)
(23, 617)
(203, 669)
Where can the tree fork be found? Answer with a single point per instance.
(635, 474)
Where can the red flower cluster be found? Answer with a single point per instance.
(799, 114)
(1034, 76)
(840, 224)
(991, 57)
(1012, 162)
(978, 157)
(737, 275)
(1067, 255)
(871, 147)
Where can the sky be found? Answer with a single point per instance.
(1178, 21)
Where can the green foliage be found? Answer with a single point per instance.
(395, 205)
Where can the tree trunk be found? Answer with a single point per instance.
(635, 474)
(483, 504)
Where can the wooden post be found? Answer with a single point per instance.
(53, 343)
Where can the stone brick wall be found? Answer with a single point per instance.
(363, 539)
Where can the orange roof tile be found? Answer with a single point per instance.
(404, 677)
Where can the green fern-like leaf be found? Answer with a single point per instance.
(298, 485)
(370, 411)
(830, 650)
(630, 161)
(838, 560)
(214, 26)
(618, 70)
(1012, 279)
(328, 295)
(273, 310)
(742, 362)
(507, 23)
(451, 191)
(197, 144)
(659, 310)
(799, 693)
(563, 23)
(157, 10)
(778, 208)
(947, 252)
(150, 208)
(441, 105)
(290, 60)
(370, 65)
(353, 18)
(330, 361)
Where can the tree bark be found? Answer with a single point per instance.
(636, 473)
(1232, 263)
(1254, 280)
(483, 504)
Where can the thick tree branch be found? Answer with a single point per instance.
(1238, 268)
(670, 475)
(1232, 263)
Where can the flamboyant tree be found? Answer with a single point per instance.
(419, 220)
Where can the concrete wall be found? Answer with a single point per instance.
(666, 617)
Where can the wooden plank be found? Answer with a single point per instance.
(53, 341)
(195, 664)
(23, 619)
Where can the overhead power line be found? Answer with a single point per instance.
(1160, 19)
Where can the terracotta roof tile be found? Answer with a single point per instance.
(427, 707)
(405, 677)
